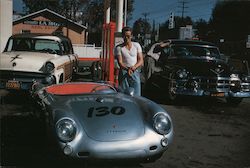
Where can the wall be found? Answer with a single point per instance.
(5, 22)
(75, 33)
(87, 51)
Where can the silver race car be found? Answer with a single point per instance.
(95, 121)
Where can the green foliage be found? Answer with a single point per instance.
(231, 20)
(202, 28)
(86, 12)
(141, 27)
(166, 33)
(36, 5)
(68, 8)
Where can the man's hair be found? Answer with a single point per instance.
(125, 29)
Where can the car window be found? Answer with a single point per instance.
(66, 47)
(34, 45)
(20, 44)
(195, 51)
(180, 51)
(10, 45)
(47, 46)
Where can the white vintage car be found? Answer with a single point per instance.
(32, 58)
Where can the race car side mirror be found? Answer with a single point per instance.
(130, 91)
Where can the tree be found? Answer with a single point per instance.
(166, 33)
(87, 12)
(202, 28)
(71, 9)
(231, 21)
(36, 5)
(94, 17)
(141, 27)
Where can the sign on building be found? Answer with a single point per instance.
(171, 21)
(186, 32)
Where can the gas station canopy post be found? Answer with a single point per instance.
(107, 11)
(119, 15)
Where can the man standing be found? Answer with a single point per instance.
(129, 57)
(155, 57)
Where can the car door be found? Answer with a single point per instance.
(70, 64)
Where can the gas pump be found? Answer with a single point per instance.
(111, 37)
(108, 54)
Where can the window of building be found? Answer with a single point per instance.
(25, 31)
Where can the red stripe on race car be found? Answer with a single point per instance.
(73, 88)
(88, 59)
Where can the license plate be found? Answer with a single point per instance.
(13, 85)
(217, 94)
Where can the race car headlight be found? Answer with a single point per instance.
(49, 67)
(66, 130)
(182, 73)
(162, 124)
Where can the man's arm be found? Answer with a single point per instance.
(118, 56)
(120, 62)
(139, 61)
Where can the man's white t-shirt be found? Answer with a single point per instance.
(129, 57)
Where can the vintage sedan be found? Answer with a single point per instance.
(95, 121)
(31, 58)
(196, 68)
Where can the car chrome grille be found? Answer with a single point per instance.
(218, 84)
(245, 87)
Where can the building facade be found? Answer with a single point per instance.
(5, 22)
(49, 22)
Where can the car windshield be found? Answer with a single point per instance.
(195, 51)
(34, 45)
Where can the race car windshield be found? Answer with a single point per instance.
(195, 51)
(34, 45)
(80, 88)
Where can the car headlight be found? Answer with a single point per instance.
(49, 67)
(234, 76)
(66, 130)
(182, 73)
(162, 123)
(49, 80)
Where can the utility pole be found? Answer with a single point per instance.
(119, 15)
(125, 12)
(183, 10)
(183, 7)
(145, 15)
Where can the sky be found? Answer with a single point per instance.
(159, 10)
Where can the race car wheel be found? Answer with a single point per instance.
(234, 101)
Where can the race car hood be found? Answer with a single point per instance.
(108, 117)
(204, 66)
(24, 61)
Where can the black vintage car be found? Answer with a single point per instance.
(196, 68)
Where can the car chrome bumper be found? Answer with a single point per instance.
(193, 92)
(142, 148)
(13, 80)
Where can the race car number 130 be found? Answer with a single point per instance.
(103, 111)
